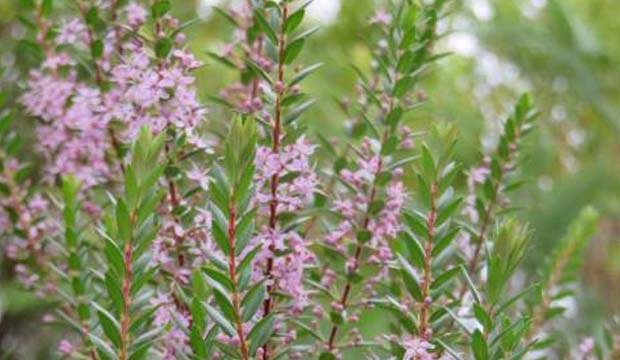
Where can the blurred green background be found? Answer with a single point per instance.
(565, 52)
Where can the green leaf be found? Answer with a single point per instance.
(224, 304)
(416, 251)
(427, 161)
(417, 223)
(403, 85)
(252, 301)
(443, 241)
(444, 278)
(221, 237)
(163, 47)
(244, 231)
(264, 25)
(447, 211)
(46, 7)
(131, 187)
(394, 117)
(221, 59)
(197, 343)
(216, 280)
(220, 320)
(160, 8)
(405, 63)
(327, 356)
(225, 15)
(142, 279)
(376, 206)
(292, 50)
(141, 320)
(408, 274)
(307, 33)
(261, 332)
(479, 346)
(298, 111)
(363, 236)
(294, 20)
(198, 314)
(109, 325)
(104, 350)
(259, 70)
(92, 16)
(6, 120)
(123, 221)
(304, 73)
(114, 292)
(470, 283)
(483, 317)
(214, 275)
(96, 49)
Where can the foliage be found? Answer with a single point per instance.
(158, 234)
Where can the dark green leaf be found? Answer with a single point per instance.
(293, 21)
(479, 346)
(160, 8)
(292, 50)
(163, 47)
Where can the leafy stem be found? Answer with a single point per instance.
(358, 250)
(275, 179)
(125, 318)
(232, 269)
(426, 300)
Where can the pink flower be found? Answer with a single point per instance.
(65, 347)
(187, 59)
(199, 176)
(417, 349)
(136, 14)
(71, 32)
(381, 17)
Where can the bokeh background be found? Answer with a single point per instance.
(565, 52)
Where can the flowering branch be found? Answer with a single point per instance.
(493, 177)
(380, 220)
(275, 148)
(231, 264)
(426, 282)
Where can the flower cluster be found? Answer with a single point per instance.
(294, 191)
(354, 211)
(130, 87)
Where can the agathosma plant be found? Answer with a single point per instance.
(157, 234)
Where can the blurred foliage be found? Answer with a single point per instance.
(566, 52)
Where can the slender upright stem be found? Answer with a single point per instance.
(426, 286)
(489, 210)
(344, 298)
(275, 179)
(126, 317)
(232, 268)
(359, 247)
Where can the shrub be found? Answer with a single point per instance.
(155, 235)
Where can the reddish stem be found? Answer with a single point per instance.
(358, 254)
(125, 320)
(275, 179)
(489, 209)
(424, 312)
(232, 268)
